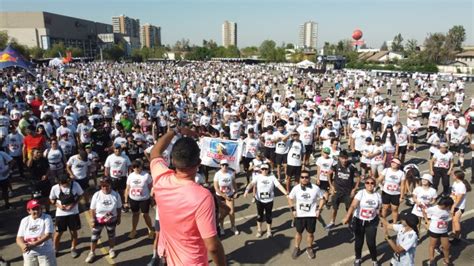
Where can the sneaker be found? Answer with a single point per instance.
(90, 258)
(269, 234)
(310, 253)
(74, 253)
(132, 234)
(253, 200)
(293, 223)
(151, 235)
(236, 232)
(259, 234)
(112, 253)
(329, 226)
(357, 262)
(125, 210)
(295, 254)
(438, 251)
(222, 232)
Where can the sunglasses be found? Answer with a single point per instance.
(264, 169)
(304, 177)
(370, 183)
(105, 185)
(225, 165)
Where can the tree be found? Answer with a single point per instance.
(3, 39)
(434, 48)
(75, 52)
(290, 46)
(115, 52)
(455, 37)
(58, 49)
(397, 45)
(36, 52)
(249, 51)
(384, 47)
(411, 47)
(267, 50)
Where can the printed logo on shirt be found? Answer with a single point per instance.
(107, 202)
(35, 228)
(306, 196)
(371, 202)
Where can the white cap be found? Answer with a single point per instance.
(428, 177)
(224, 162)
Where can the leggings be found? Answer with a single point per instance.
(365, 229)
(264, 208)
(441, 173)
(97, 229)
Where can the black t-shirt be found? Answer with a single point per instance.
(100, 139)
(344, 177)
(39, 168)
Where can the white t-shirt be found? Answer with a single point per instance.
(139, 185)
(439, 219)
(54, 195)
(224, 181)
(13, 144)
(79, 167)
(105, 205)
(268, 140)
(295, 153)
(281, 146)
(377, 159)
(55, 158)
(265, 187)
(369, 205)
(458, 188)
(392, 181)
(359, 137)
(306, 200)
(442, 160)
(118, 165)
(33, 229)
(425, 197)
(408, 241)
(306, 134)
(456, 135)
(325, 166)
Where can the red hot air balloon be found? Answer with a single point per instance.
(357, 34)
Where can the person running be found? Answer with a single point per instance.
(265, 184)
(345, 183)
(439, 216)
(306, 202)
(105, 212)
(225, 186)
(458, 194)
(393, 191)
(65, 196)
(441, 166)
(35, 235)
(137, 197)
(404, 247)
(364, 214)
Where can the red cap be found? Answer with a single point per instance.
(32, 204)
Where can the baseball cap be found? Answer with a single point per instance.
(397, 161)
(264, 166)
(443, 144)
(410, 219)
(428, 177)
(344, 154)
(224, 162)
(88, 146)
(32, 204)
(326, 150)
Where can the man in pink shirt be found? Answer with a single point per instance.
(186, 209)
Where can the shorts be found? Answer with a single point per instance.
(280, 159)
(436, 235)
(432, 129)
(340, 197)
(293, 171)
(305, 223)
(390, 199)
(457, 148)
(84, 183)
(376, 126)
(246, 162)
(402, 149)
(139, 205)
(425, 115)
(97, 230)
(71, 222)
(269, 153)
(324, 185)
(308, 149)
(119, 183)
(157, 226)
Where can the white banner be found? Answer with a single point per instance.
(214, 150)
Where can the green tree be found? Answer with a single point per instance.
(36, 52)
(267, 50)
(232, 52)
(115, 52)
(397, 43)
(75, 51)
(58, 49)
(3, 39)
(411, 47)
(249, 51)
(434, 48)
(290, 46)
(384, 47)
(455, 37)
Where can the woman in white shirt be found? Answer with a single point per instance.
(458, 194)
(105, 211)
(407, 239)
(224, 184)
(424, 196)
(265, 184)
(137, 197)
(35, 236)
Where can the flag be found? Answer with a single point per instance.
(213, 150)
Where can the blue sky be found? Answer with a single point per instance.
(279, 20)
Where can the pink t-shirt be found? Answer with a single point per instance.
(187, 216)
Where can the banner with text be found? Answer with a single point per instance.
(214, 150)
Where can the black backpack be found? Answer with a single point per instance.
(68, 199)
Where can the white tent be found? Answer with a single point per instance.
(56, 62)
(306, 64)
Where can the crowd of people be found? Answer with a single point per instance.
(108, 139)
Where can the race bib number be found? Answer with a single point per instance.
(442, 225)
(305, 207)
(392, 187)
(117, 172)
(137, 192)
(225, 189)
(443, 163)
(268, 143)
(264, 195)
(31, 239)
(366, 213)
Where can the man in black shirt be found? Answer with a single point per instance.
(345, 182)
(101, 140)
(38, 167)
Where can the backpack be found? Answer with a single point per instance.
(68, 199)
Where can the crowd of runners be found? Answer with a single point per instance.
(81, 139)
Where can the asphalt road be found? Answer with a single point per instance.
(335, 247)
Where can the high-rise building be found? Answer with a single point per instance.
(126, 26)
(309, 35)
(229, 34)
(150, 36)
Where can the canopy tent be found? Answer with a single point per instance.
(306, 64)
(11, 58)
(56, 62)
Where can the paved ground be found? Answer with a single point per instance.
(332, 248)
